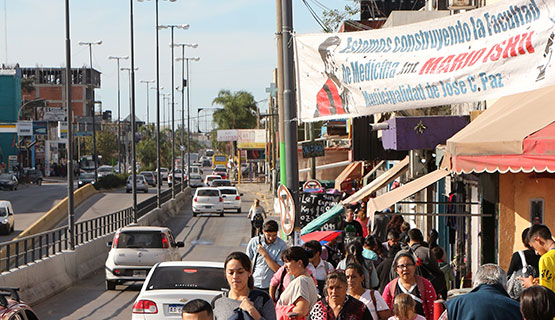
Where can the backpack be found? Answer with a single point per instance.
(514, 284)
(419, 285)
(258, 220)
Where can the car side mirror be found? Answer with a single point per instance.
(241, 194)
(109, 244)
(180, 244)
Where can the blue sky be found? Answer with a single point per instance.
(236, 43)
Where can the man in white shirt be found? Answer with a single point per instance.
(319, 267)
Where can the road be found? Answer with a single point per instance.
(206, 237)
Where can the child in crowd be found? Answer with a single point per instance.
(403, 308)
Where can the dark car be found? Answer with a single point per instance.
(11, 306)
(220, 183)
(32, 176)
(85, 178)
(220, 171)
(149, 176)
(8, 181)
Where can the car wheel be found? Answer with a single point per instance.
(39, 182)
(194, 214)
(239, 210)
(110, 285)
(221, 214)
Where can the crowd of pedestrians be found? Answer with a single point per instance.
(389, 274)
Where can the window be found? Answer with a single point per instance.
(208, 193)
(183, 277)
(536, 211)
(140, 239)
(228, 191)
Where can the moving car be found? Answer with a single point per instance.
(7, 217)
(140, 184)
(232, 198)
(220, 183)
(149, 176)
(208, 200)
(8, 181)
(206, 163)
(105, 171)
(85, 178)
(178, 176)
(164, 174)
(135, 249)
(169, 285)
(196, 169)
(221, 171)
(208, 179)
(32, 176)
(12, 307)
(195, 180)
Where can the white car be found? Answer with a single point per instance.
(232, 198)
(196, 169)
(105, 171)
(208, 200)
(140, 185)
(135, 249)
(196, 180)
(178, 176)
(7, 217)
(164, 173)
(208, 179)
(169, 285)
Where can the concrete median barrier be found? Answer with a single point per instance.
(58, 213)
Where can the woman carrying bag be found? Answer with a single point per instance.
(371, 298)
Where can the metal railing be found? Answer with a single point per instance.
(16, 253)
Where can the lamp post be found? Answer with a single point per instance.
(198, 115)
(91, 101)
(158, 180)
(131, 113)
(189, 114)
(118, 58)
(69, 151)
(171, 27)
(183, 84)
(148, 82)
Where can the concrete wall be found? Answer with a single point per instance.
(515, 192)
(45, 278)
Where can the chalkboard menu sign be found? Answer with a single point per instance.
(315, 204)
(313, 149)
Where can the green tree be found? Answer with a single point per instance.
(333, 18)
(106, 143)
(239, 110)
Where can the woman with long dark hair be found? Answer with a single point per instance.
(354, 255)
(241, 296)
(371, 298)
(395, 224)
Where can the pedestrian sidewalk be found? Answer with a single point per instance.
(259, 191)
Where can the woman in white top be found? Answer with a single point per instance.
(371, 298)
(301, 294)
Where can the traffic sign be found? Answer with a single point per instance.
(312, 184)
(287, 209)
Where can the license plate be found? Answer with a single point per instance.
(208, 206)
(139, 273)
(175, 308)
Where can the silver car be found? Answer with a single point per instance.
(140, 185)
(7, 217)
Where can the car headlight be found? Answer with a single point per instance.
(5, 221)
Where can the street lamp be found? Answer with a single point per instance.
(198, 115)
(158, 180)
(131, 113)
(171, 27)
(118, 58)
(183, 84)
(148, 82)
(90, 44)
(186, 59)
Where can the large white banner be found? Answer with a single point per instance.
(485, 53)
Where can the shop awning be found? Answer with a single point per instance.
(317, 223)
(380, 182)
(351, 172)
(515, 134)
(388, 199)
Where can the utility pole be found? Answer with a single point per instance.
(133, 128)
(69, 151)
(290, 111)
(282, 152)
(119, 117)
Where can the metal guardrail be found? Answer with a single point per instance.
(32, 248)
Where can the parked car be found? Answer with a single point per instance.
(232, 198)
(85, 178)
(170, 284)
(220, 183)
(32, 176)
(149, 176)
(208, 179)
(208, 200)
(135, 249)
(140, 184)
(7, 217)
(105, 171)
(12, 307)
(221, 171)
(195, 180)
(8, 181)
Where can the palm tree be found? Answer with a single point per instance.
(239, 110)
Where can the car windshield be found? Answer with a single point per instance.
(221, 183)
(87, 175)
(140, 239)
(184, 277)
(210, 178)
(105, 169)
(147, 174)
(3, 211)
(5, 176)
(195, 176)
(208, 193)
(228, 191)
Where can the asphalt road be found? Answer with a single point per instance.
(206, 237)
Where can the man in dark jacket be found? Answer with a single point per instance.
(429, 267)
(488, 300)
